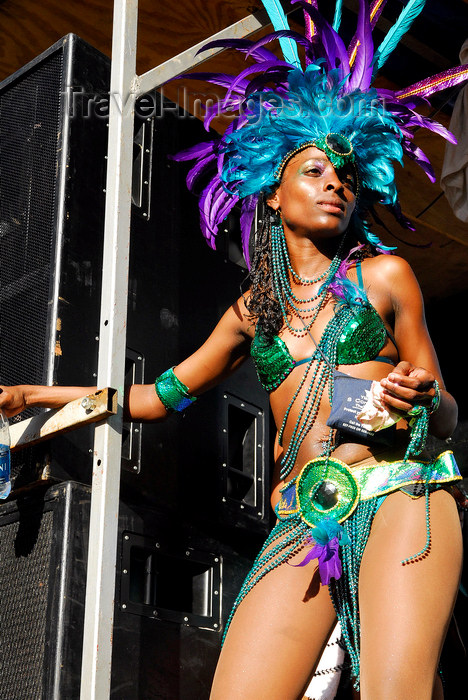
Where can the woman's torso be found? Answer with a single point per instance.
(302, 346)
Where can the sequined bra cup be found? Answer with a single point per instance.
(359, 339)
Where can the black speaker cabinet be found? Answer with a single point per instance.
(174, 590)
(43, 545)
(212, 462)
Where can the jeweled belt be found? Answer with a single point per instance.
(329, 488)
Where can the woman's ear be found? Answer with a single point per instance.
(273, 201)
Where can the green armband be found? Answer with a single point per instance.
(172, 392)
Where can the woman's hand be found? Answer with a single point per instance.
(408, 386)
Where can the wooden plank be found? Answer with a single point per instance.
(88, 409)
(165, 29)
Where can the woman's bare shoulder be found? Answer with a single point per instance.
(389, 273)
(390, 279)
(387, 265)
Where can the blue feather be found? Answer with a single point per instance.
(279, 22)
(337, 17)
(403, 23)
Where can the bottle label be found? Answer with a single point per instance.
(4, 463)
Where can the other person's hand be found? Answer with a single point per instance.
(12, 400)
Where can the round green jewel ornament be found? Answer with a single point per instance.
(326, 488)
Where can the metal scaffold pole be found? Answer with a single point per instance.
(100, 585)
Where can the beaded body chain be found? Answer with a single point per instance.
(318, 371)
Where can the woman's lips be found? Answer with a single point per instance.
(332, 206)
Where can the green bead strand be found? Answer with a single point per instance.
(344, 593)
(425, 550)
(264, 563)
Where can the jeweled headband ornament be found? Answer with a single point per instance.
(336, 147)
(283, 105)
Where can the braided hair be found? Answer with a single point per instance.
(262, 303)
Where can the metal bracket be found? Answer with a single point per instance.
(142, 167)
(180, 585)
(243, 470)
(132, 432)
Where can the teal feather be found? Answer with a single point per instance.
(337, 17)
(280, 22)
(403, 23)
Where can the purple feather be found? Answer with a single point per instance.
(215, 205)
(374, 17)
(223, 79)
(404, 222)
(242, 45)
(411, 102)
(435, 127)
(224, 204)
(361, 75)
(221, 108)
(256, 68)
(286, 33)
(337, 56)
(205, 206)
(278, 77)
(198, 151)
(198, 169)
(337, 284)
(227, 205)
(308, 21)
(441, 81)
(375, 13)
(327, 537)
(329, 561)
(415, 153)
(407, 118)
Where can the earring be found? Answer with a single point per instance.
(275, 216)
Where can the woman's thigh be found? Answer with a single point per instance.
(405, 609)
(276, 637)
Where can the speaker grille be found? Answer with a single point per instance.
(25, 552)
(29, 135)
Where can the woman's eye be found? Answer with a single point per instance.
(314, 170)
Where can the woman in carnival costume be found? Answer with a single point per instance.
(367, 528)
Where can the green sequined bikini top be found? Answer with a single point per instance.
(359, 334)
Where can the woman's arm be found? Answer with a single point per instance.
(412, 381)
(223, 352)
(226, 348)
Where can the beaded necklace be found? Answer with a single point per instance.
(289, 302)
(319, 370)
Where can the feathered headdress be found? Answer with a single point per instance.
(282, 105)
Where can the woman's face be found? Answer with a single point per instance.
(314, 198)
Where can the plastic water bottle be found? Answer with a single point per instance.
(5, 485)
